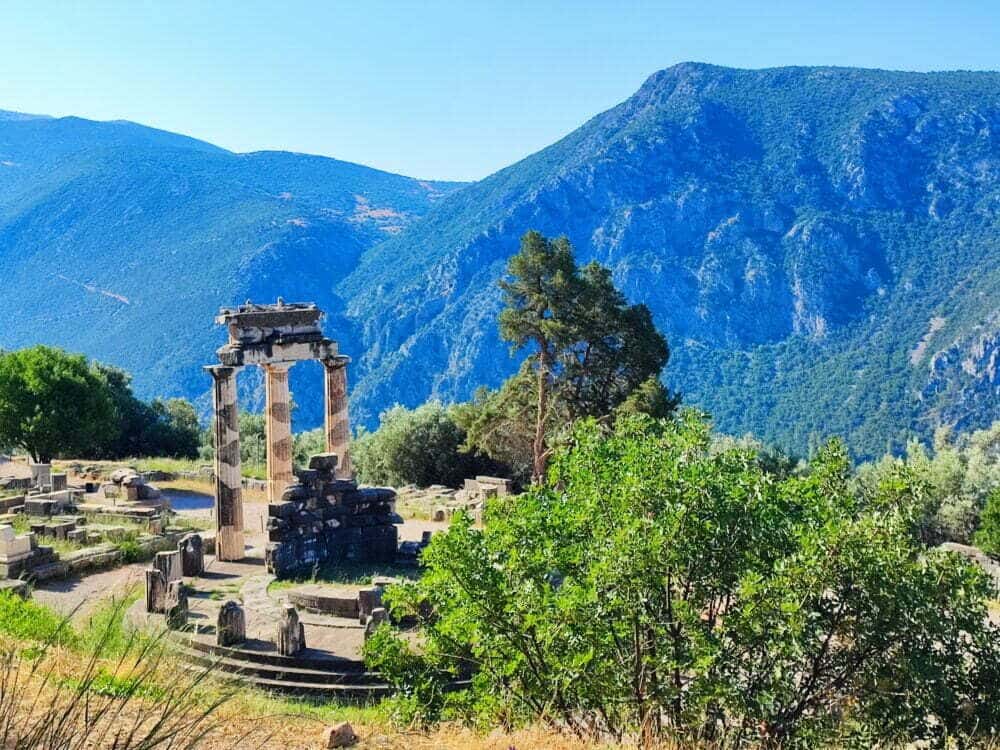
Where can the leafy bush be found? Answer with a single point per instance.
(658, 585)
(422, 446)
(988, 536)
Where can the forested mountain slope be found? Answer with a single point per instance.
(820, 246)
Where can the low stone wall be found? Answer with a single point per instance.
(321, 519)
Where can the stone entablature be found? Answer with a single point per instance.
(273, 337)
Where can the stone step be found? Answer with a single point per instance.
(269, 656)
(280, 674)
(354, 693)
(50, 570)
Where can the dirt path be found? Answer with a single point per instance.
(79, 596)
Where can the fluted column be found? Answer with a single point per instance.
(278, 426)
(337, 424)
(228, 510)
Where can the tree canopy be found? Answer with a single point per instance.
(589, 352)
(52, 403)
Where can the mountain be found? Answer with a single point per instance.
(820, 246)
(122, 241)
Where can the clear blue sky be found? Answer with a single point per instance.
(450, 90)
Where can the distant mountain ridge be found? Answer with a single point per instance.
(123, 241)
(820, 246)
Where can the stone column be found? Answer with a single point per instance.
(278, 425)
(337, 423)
(228, 493)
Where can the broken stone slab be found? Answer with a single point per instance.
(291, 632)
(378, 616)
(368, 601)
(192, 552)
(169, 563)
(156, 591)
(339, 735)
(231, 626)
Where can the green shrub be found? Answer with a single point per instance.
(27, 620)
(661, 586)
(988, 536)
(421, 446)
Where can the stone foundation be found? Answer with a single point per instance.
(324, 519)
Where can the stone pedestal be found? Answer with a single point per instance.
(41, 475)
(192, 553)
(156, 591)
(168, 563)
(231, 627)
(228, 489)
(336, 420)
(291, 632)
(278, 426)
(175, 605)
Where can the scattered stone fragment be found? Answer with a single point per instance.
(156, 591)
(377, 617)
(192, 554)
(339, 735)
(176, 605)
(169, 563)
(291, 632)
(231, 627)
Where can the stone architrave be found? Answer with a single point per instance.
(278, 427)
(156, 591)
(192, 552)
(231, 627)
(175, 605)
(291, 632)
(228, 490)
(336, 423)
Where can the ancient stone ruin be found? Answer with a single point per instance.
(322, 518)
(273, 337)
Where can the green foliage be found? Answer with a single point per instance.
(52, 403)
(26, 620)
(590, 349)
(309, 443)
(662, 585)
(988, 536)
(957, 477)
(421, 446)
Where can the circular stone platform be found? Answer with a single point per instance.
(327, 600)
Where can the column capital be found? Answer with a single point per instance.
(221, 372)
(335, 363)
(276, 366)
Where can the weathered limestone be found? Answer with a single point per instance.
(168, 563)
(321, 518)
(156, 591)
(14, 550)
(378, 616)
(192, 552)
(41, 475)
(175, 605)
(228, 491)
(291, 632)
(278, 427)
(368, 601)
(336, 421)
(60, 482)
(339, 735)
(231, 627)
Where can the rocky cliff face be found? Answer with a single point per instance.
(772, 219)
